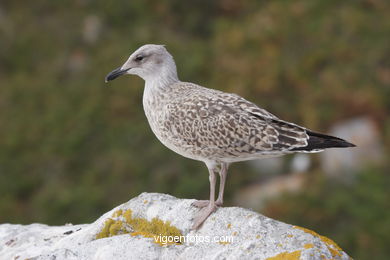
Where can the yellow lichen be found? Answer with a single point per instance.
(106, 229)
(334, 252)
(333, 248)
(308, 246)
(124, 221)
(287, 256)
(117, 213)
(234, 233)
(224, 243)
(289, 235)
(258, 236)
(128, 215)
(146, 202)
(229, 226)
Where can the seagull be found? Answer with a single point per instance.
(212, 126)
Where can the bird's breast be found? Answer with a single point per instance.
(166, 127)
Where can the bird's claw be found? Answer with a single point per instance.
(203, 215)
(205, 203)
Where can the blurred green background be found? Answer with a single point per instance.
(72, 147)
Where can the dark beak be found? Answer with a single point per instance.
(115, 73)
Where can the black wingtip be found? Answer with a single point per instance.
(347, 144)
(342, 144)
(319, 141)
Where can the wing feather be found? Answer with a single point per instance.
(229, 125)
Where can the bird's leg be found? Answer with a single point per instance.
(204, 203)
(222, 180)
(211, 207)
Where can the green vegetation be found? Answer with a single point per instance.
(72, 147)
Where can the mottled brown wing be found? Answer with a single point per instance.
(230, 126)
(287, 135)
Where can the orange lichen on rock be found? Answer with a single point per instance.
(334, 249)
(308, 246)
(295, 255)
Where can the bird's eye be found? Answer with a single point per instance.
(139, 58)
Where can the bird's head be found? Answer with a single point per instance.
(149, 62)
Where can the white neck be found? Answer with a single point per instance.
(166, 76)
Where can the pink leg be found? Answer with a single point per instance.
(222, 180)
(211, 207)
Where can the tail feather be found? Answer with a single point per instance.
(319, 141)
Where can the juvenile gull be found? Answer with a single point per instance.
(211, 126)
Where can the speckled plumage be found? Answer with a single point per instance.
(209, 125)
(212, 126)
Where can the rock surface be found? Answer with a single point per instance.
(127, 233)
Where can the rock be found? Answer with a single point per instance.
(364, 133)
(126, 232)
